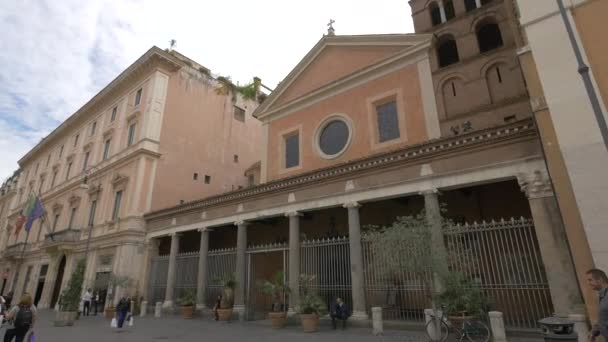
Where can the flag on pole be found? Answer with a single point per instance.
(34, 214)
(25, 213)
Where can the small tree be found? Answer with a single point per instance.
(114, 282)
(228, 283)
(277, 289)
(310, 302)
(70, 297)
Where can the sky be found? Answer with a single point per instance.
(56, 55)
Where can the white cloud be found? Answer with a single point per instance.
(56, 55)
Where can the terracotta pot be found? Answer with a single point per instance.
(224, 314)
(310, 323)
(457, 320)
(187, 311)
(110, 313)
(65, 318)
(277, 319)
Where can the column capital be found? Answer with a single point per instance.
(241, 223)
(432, 191)
(293, 213)
(175, 234)
(203, 229)
(535, 184)
(351, 205)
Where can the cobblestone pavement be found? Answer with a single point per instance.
(176, 329)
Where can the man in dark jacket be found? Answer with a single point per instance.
(122, 310)
(340, 311)
(598, 281)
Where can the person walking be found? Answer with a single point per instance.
(122, 310)
(86, 299)
(94, 301)
(598, 281)
(23, 317)
(9, 299)
(340, 311)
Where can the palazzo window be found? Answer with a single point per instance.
(116, 210)
(54, 178)
(67, 173)
(388, 121)
(55, 221)
(292, 150)
(92, 213)
(131, 135)
(106, 149)
(75, 140)
(93, 128)
(72, 217)
(85, 163)
(61, 151)
(113, 116)
(138, 97)
(449, 9)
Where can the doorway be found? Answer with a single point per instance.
(102, 281)
(41, 280)
(263, 266)
(58, 281)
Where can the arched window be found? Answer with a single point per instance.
(470, 5)
(488, 37)
(448, 7)
(447, 51)
(435, 14)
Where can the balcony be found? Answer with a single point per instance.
(15, 251)
(62, 240)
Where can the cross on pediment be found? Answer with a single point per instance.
(330, 28)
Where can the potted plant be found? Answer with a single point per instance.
(70, 298)
(228, 284)
(311, 305)
(187, 302)
(277, 289)
(461, 299)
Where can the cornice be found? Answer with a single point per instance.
(414, 153)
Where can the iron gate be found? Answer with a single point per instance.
(220, 264)
(186, 273)
(159, 270)
(504, 259)
(262, 264)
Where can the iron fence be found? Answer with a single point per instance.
(220, 264)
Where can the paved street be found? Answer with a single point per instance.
(97, 329)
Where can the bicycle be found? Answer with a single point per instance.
(466, 328)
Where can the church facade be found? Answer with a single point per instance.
(361, 132)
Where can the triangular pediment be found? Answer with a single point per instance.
(334, 58)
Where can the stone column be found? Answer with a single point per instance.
(478, 3)
(294, 261)
(49, 283)
(241, 264)
(433, 217)
(553, 244)
(168, 303)
(356, 261)
(442, 12)
(201, 281)
(151, 251)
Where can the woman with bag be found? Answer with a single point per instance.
(122, 310)
(23, 316)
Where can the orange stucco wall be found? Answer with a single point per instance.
(333, 63)
(589, 19)
(354, 104)
(200, 135)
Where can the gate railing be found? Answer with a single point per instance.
(503, 257)
(220, 264)
(158, 278)
(329, 260)
(186, 273)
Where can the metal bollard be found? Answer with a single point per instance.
(158, 309)
(580, 326)
(377, 326)
(143, 309)
(497, 325)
